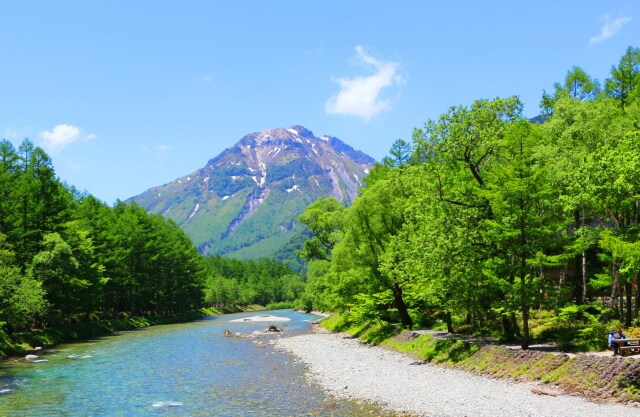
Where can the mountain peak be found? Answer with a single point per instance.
(246, 200)
(279, 134)
(301, 131)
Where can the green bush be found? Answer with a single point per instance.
(573, 327)
(279, 306)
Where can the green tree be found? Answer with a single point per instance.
(21, 297)
(460, 149)
(40, 202)
(526, 222)
(8, 180)
(370, 223)
(617, 190)
(323, 218)
(61, 275)
(625, 78)
(401, 152)
(578, 85)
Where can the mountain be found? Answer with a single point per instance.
(245, 201)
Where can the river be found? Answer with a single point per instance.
(187, 369)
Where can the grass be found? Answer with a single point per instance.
(374, 332)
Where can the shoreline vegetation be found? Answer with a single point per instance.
(23, 343)
(597, 378)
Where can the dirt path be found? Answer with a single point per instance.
(490, 340)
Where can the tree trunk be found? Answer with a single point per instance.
(525, 327)
(577, 283)
(541, 294)
(525, 307)
(563, 273)
(584, 264)
(615, 270)
(514, 325)
(405, 319)
(507, 328)
(447, 318)
(584, 277)
(524, 281)
(637, 297)
(620, 299)
(629, 308)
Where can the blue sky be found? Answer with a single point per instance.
(127, 95)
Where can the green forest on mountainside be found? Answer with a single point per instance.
(488, 222)
(67, 258)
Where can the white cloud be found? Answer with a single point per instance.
(609, 28)
(60, 137)
(74, 165)
(360, 96)
(10, 134)
(161, 152)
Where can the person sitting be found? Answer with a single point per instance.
(614, 345)
(622, 335)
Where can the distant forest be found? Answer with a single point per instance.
(486, 221)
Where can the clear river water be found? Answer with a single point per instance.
(187, 369)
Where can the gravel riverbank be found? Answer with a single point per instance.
(346, 367)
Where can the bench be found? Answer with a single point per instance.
(625, 350)
(627, 346)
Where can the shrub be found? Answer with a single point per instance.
(574, 327)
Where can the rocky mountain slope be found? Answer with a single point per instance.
(244, 202)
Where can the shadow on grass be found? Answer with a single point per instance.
(376, 333)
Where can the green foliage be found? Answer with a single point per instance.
(373, 332)
(486, 220)
(72, 287)
(625, 78)
(288, 252)
(574, 327)
(301, 168)
(279, 305)
(269, 227)
(323, 218)
(18, 343)
(366, 307)
(223, 186)
(263, 282)
(578, 85)
(21, 298)
(429, 349)
(66, 257)
(336, 322)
